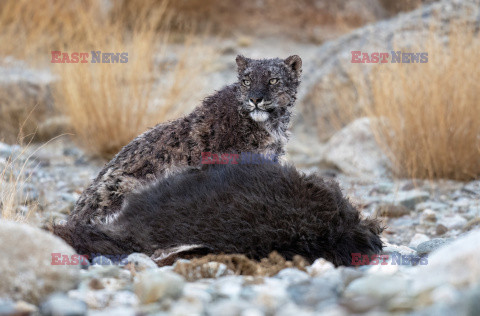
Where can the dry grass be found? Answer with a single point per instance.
(199, 268)
(430, 113)
(106, 105)
(15, 203)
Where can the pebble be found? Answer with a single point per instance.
(418, 239)
(431, 245)
(391, 210)
(453, 222)
(408, 199)
(320, 267)
(311, 293)
(378, 286)
(228, 286)
(471, 224)
(292, 276)
(428, 216)
(62, 305)
(141, 261)
(153, 285)
(441, 229)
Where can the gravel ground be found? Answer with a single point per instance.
(424, 219)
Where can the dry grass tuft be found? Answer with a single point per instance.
(15, 203)
(199, 268)
(430, 113)
(109, 104)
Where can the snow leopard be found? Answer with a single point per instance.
(251, 115)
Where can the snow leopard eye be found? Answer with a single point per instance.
(246, 82)
(273, 81)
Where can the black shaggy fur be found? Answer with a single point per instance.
(247, 209)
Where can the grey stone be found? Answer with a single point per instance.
(227, 307)
(228, 286)
(431, 245)
(417, 239)
(313, 292)
(441, 229)
(377, 286)
(454, 266)
(391, 210)
(26, 263)
(355, 152)
(407, 198)
(403, 250)
(331, 82)
(428, 217)
(141, 261)
(454, 221)
(435, 206)
(62, 305)
(153, 285)
(292, 276)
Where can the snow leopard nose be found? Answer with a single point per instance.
(256, 101)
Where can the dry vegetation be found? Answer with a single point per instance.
(107, 105)
(203, 267)
(430, 113)
(15, 203)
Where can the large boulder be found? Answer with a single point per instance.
(455, 264)
(26, 268)
(333, 79)
(26, 100)
(355, 152)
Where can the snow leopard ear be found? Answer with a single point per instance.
(242, 63)
(294, 62)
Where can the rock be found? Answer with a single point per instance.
(455, 264)
(417, 239)
(62, 305)
(389, 249)
(471, 224)
(26, 263)
(311, 293)
(428, 217)
(292, 275)
(355, 152)
(435, 206)
(320, 267)
(330, 81)
(407, 198)
(453, 222)
(377, 286)
(31, 90)
(7, 151)
(252, 311)
(153, 285)
(441, 229)
(7, 307)
(431, 245)
(228, 286)
(270, 295)
(228, 307)
(391, 210)
(141, 261)
(198, 291)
